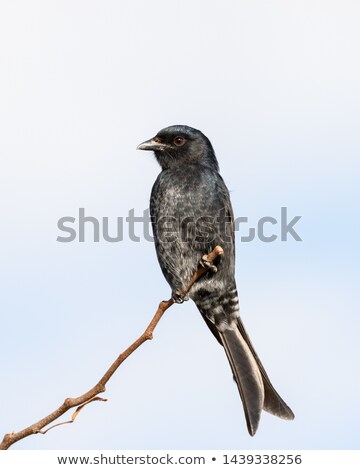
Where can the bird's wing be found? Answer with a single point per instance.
(191, 214)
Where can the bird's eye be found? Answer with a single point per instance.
(179, 141)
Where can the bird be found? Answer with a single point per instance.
(191, 213)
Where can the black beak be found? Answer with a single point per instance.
(151, 144)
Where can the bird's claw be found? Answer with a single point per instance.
(205, 263)
(179, 297)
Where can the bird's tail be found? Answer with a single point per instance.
(273, 403)
(255, 388)
(247, 376)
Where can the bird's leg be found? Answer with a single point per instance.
(206, 263)
(179, 297)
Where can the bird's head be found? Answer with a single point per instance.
(177, 146)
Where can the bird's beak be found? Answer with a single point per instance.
(151, 144)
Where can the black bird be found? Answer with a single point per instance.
(191, 213)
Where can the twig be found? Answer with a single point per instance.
(91, 395)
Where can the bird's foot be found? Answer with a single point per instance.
(205, 263)
(179, 297)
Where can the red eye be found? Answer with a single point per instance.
(179, 141)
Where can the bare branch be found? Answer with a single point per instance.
(74, 415)
(92, 395)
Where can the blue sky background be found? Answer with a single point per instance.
(275, 86)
